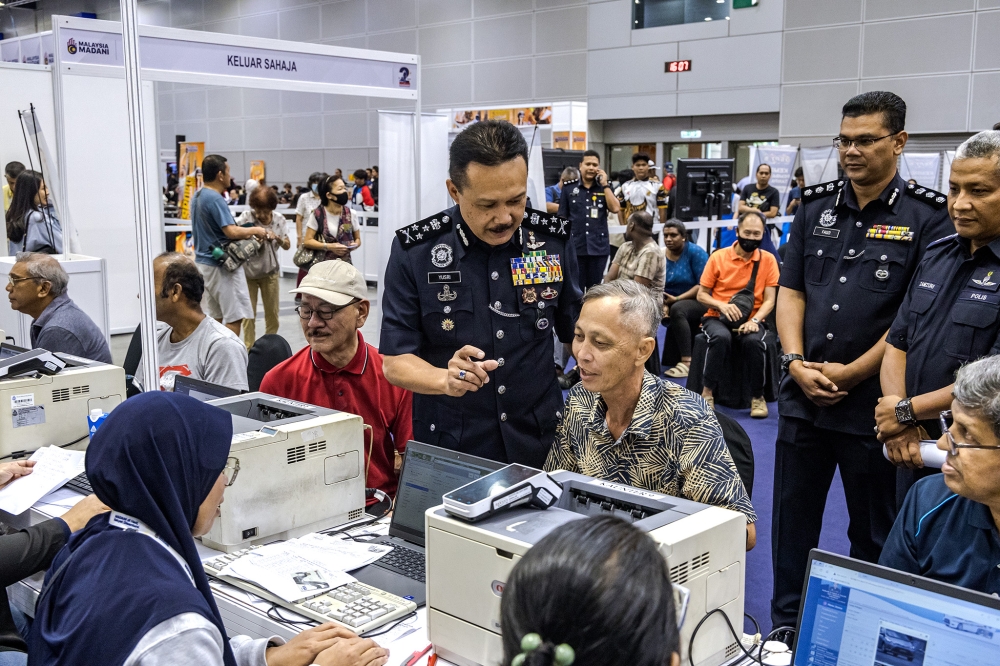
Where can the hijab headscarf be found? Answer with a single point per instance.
(155, 459)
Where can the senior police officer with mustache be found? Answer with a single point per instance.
(471, 295)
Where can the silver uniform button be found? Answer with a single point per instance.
(500, 335)
(494, 275)
(498, 305)
(884, 257)
(447, 309)
(843, 280)
(857, 224)
(432, 427)
(850, 252)
(835, 307)
(500, 362)
(829, 336)
(501, 389)
(819, 253)
(503, 417)
(541, 305)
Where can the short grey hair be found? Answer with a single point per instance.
(640, 312)
(977, 388)
(986, 145)
(44, 267)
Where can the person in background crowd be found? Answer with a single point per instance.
(32, 224)
(727, 272)
(601, 568)
(685, 262)
(842, 283)
(950, 306)
(286, 195)
(172, 183)
(795, 194)
(642, 192)
(36, 286)
(29, 551)
(10, 174)
(338, 173)
(332, 227)
(262, 270)
(624, 425)
(188, 342)
(554, 192)
(307, 203)
(339, 370)
(760, 196)
(212, 227)
(669, 179)
(130, 588)
(361, 196)
(586, 204)
(373, 185)
(947, 527)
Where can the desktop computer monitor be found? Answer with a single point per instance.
(202, 390)
(856, 613)
(704, 188)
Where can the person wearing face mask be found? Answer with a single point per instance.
(307, 203)
(332, 227)
(728, 272)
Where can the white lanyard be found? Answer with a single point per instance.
(126, 522)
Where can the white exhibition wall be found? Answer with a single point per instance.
(22, 86)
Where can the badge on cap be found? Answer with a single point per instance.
(549, 293)
(529, 295)
(447, 294)
(441, 255)
(827, 218)
(447, 324)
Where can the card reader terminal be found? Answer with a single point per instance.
(506, 488)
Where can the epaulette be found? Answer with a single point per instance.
(570, 182)
(546, 223)
(927, 195)
(942, 241)
(821, 190)
(424, 230)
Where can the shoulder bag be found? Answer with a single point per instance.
(744, 300)
(305, 258)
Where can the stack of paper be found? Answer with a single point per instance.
(53, 468)
(304, 567)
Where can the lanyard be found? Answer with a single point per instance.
(126, 522)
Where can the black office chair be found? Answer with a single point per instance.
(132, 358)
(740, 448)
(267, 352)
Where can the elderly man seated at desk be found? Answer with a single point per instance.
(947, 528)
(622, 424)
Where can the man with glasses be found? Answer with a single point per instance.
(188, 342)
(339, 370)
(947, 527)
(852, 249)
(950, 313)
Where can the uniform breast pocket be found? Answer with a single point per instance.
(883, 266)
(820, 260)
(974, 329)
(448, 317)
(536, 313)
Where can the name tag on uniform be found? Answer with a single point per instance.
(979, 297)
(451, 277)
(826, 233)
(594, 213)
(929, 286)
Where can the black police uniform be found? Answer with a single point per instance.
(948, 318)
(446, 288)
(587, 210)
(854, 273)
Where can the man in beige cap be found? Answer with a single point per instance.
(339, 370)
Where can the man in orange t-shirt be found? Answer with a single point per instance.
(727, 272)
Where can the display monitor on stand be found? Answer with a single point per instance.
(704, 189)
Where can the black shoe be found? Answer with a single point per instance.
(570, 379)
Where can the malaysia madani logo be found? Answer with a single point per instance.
(71, 46)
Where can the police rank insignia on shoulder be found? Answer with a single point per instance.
(822, 190)
(425, 230)
(930, 197)
(538, 222)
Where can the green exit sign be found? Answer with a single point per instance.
(743, 4)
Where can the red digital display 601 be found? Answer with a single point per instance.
(675, 66)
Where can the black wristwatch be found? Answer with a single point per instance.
(904, 413)
(787, 359)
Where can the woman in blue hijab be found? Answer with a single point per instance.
(129, 588)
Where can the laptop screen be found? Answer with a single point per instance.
(855, 613)
(8, 351)
(200, 389)
(428, 473)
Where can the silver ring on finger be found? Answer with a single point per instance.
(461, 374)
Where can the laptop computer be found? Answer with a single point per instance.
(856, 613)
(428, 473)
(199, 389)
(9, 351)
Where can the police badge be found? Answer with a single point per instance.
(827, 218)
(441, 255)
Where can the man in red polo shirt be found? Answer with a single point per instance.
(339, 370)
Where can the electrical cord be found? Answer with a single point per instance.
(739, 641)
(756, 627)
(274, 613)
(17, 454)
(385, 630)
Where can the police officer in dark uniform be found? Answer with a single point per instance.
(950, 314)
(853, 247)
(471, 295)
(586, 203)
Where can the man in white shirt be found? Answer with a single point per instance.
(642, 193)
(189, 342)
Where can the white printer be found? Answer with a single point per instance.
(468, 564)
(52, 409)
(301, 469)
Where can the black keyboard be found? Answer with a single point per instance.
(404, 561)
(80, 483)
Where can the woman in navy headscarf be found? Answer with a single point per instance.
(129, 588)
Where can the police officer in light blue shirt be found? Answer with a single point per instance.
(472, 295)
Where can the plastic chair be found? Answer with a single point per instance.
(132, 358)
(267, 352)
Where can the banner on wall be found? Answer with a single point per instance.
(189, 173)
(781, 159)
(522, 116)
(925, 168)
(257, 171)
(819, 165)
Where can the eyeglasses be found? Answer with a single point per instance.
(326, 314)
(231, 470)
(844, 144)
(12, 281)
(953, 446)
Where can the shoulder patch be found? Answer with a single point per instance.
(930, 197)
(812, 192)
(424, 230)
(546, 223)
(942, 241)
(570, 182)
